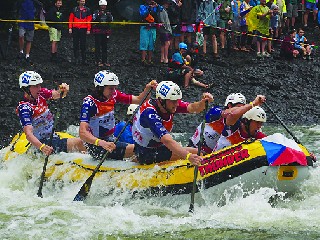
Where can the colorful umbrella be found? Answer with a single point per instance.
(282, 151)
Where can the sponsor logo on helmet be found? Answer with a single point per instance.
(99, 77)
(26, 78)
(164, 89)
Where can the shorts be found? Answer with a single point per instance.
(164, 37)
(223, 24)
(29, 34)
(311, 6)
(59, 145)
(292, 10)
(187, 28)
(176, 30)
(260, 36)
(147, 38)
(54, 35)
(210, 31)
(98, 152)
(152, 155)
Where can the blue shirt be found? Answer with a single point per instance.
(126, 136)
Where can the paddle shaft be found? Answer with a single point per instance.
(283, 124)
(194, 185)
(84, 190)
(57, 116)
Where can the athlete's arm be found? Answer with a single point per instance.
(137, 99)
(199, 106)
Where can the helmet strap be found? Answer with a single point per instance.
(163, 103)
(247, 126)
(27, 91)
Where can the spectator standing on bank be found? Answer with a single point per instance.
(292, 13)
(226, 18)
(311, 5)
(26, 11)
(245, 39)
(101, 33)
(79, 27)
(149, 15)
(55, 15)
(174, 11)
(188, 19)
(165, 31)
(207, 13)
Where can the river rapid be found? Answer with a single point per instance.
(254, 215)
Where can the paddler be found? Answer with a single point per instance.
(153, 123)
(36, 118)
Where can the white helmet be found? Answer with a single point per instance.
(103, 3)
(235, 98)
(256, 114)
(105, 78)
(29, 78)
(168, 90)
(131, 108)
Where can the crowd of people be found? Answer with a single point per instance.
(253, 25)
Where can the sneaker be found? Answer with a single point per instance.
(151, 63)
(259, 55)
(216, 56)
(21, 55)
(28, 60)
(266, 54)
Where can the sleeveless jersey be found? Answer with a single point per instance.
(38, 115)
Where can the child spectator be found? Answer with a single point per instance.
(101, 33)
(79, 27)
(55, 15)
(301, 44)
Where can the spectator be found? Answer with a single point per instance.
(292, 13)
(55, 15)
(188, 18)
(207, 13)
(192, 60)
(301, 44)
(179, 70)
(310, 6)
(126, 136)
(263, 15)
(245, 40)
(101, 32)
(26, 10)
(79, 27)
(274, 24)
(165, 31)
(287, 50)
(225, 22)
(149, 15)
(174, 12)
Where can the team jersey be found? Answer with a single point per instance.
(37, 114)
(214, 126)
(149, 125)
(100, 114)
(233, 135)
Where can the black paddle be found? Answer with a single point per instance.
(84, 190)
(283, 124)
(194, 186)
(57, 116)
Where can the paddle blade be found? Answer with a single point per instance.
(84, 190)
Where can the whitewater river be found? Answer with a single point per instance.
(23, 215)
